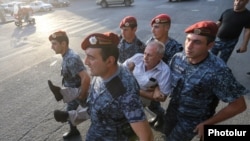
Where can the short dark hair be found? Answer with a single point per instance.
(108, 51)
(62, 38)
(59, 36)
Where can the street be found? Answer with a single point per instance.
(27, 60)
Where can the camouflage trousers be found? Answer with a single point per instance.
(178, 127)
(225, 48)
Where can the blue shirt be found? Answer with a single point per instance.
(71, 66)
(198, 88)
(109, 109)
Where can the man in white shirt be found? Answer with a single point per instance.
(150, 66)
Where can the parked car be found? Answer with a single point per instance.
(59, 3)
(40, 6)
(106, 3)
(9, 7)
(5, 7)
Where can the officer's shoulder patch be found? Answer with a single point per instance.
(115, 87)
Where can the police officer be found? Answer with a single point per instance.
(160, 29)
(200, 81)
(129, 44)
(113, 104)
(74, 75)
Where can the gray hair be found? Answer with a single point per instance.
(160, 46)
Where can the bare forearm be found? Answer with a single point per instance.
(245, 38)
(143, 130)
(85, 83)
(146, 94)
(229, 111)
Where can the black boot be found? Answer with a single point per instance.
(55, 90)
(159, 124)
(155, 107)
(61, 116)
(73, 132)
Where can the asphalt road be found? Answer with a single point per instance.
(27, 62)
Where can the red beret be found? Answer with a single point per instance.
(128, 21)
(160, 19)
(205, 28)
(57, 35)
(98, 40)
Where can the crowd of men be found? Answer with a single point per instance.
(127, 75)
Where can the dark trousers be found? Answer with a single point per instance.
(225, 48)
(155, 107)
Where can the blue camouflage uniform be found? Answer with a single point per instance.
(71, 66)
(225, 47)
(112, 104)
(171, 48)
(127, 50)
(196, 92)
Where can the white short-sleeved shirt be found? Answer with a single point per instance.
(161, 73)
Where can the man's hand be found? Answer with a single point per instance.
(158, 96)
(241, 50)
(200, 130)
(131, 66)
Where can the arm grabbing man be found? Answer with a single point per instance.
(198, 88)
